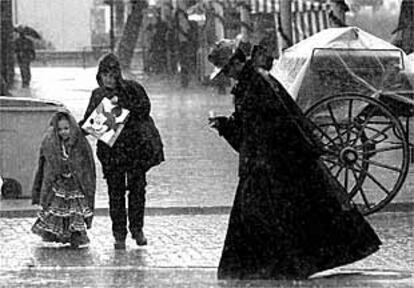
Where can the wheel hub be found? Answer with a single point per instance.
(348, 155)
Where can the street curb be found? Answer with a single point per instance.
(213, 210)
(406, 207)
(149, 211)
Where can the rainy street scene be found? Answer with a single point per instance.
(207, 143)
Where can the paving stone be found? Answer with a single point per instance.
(184, 247)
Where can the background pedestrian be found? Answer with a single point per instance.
(25, 54)
(261, 58)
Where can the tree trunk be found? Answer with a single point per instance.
(131, 32)
(7, 46)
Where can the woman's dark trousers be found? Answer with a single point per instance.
(119, 182)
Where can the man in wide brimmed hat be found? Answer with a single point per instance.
(229, 60)
(273, 220)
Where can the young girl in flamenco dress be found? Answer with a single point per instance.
(64, 184)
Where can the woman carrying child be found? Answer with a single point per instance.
(64, 183)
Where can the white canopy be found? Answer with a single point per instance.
(338, 60)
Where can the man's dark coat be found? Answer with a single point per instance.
(290, 218)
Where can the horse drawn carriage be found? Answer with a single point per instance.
(358, 90)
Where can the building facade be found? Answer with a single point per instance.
(64, 24)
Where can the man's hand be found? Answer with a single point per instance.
(216, 122)
(213, 122)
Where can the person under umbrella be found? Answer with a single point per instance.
(25, 53)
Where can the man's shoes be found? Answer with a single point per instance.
(120, 245)
(140, 239)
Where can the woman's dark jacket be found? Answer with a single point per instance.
(139, 145)
(290, 218)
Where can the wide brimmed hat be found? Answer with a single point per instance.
(221, 54)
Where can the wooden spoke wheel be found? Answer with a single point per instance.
(364, 147)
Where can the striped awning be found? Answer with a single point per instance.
(264, 6)
(223, 3)
(273, 6)
(228, 3)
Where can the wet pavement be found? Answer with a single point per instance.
(183, 251)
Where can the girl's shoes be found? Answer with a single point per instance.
(78, 239)
(74, 245)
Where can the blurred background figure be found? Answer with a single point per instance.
(25, 52)
(158, 45)
(261, 58)
(404, 33)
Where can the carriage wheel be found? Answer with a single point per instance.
(364, 147)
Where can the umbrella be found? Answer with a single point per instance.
(28, 31)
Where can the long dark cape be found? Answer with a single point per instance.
(291, 218)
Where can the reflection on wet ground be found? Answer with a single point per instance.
(183, 251)
(191, 277)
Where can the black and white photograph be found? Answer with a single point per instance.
(207, 143)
